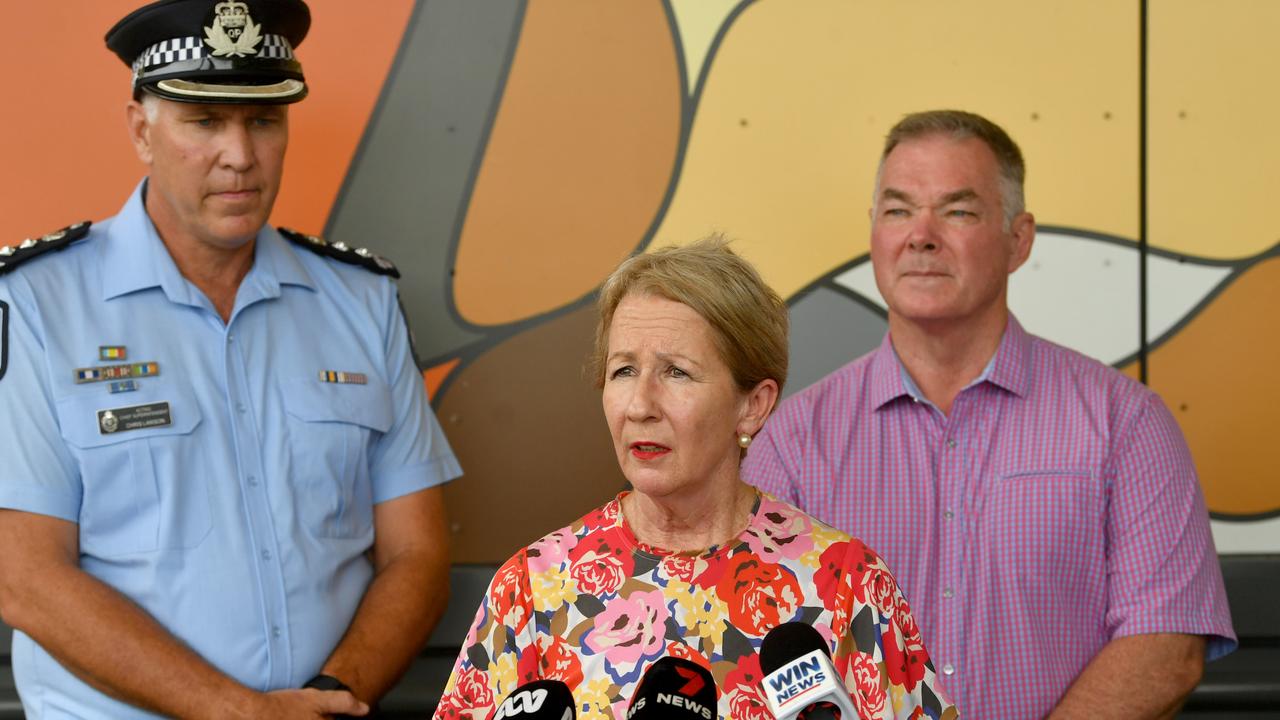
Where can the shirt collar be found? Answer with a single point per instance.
(134, 258)
(1009, 368)
(276, 263)
(887, 375)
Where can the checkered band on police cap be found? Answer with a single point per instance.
(233, 51)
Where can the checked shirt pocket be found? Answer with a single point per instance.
(1053, 523)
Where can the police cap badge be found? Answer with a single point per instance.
(215, 51)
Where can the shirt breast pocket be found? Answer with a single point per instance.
(144, 489)
(332, 429)
(1051, 524)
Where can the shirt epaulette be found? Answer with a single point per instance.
(340, 251)
(12, 256)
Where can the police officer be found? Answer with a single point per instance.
(221, 482)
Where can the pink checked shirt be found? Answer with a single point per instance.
(1056, 508)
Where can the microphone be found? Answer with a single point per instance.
(538, 700)
(800, 682)
(674, 689)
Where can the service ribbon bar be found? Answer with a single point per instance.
(116, 372)
(342, 378)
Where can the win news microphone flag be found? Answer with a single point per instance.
(674, 689)
(799, 679)
(538, 700)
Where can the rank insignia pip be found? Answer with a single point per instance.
(341, 251)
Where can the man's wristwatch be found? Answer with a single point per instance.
(326, 682)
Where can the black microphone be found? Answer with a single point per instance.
(538, 700)
(674, 689)
(800, 682)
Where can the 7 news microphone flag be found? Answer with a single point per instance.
(674, 689)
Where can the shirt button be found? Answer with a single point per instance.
(266, 554)
(275, 633)
(231, 339)
(945, 513)
(951, 443)
(948, 669)
(948, 593)
(240, 408)
(253, 481)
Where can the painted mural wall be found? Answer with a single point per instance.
(508, 154)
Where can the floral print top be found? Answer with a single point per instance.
(591, 606)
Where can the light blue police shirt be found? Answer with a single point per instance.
(242, 524)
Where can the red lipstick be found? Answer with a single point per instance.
(645, 450)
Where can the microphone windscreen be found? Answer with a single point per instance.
(799, 680)
(538, 700)
(676, 689)
(787, 642)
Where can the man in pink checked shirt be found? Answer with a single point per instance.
(1040, 510)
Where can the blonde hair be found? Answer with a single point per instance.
(749, 320)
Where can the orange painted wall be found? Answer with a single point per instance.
(62, 133)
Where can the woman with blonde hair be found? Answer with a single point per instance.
(691, 355)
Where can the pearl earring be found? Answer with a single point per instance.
(744, 440)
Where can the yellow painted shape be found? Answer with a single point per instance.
(1217, 375)
(698, 21)
(579, 161)
(1214, 86)
(788, 131)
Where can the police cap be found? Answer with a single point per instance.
(215, 51)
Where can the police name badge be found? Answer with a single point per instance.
(135, 417)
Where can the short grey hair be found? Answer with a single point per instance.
(150, 106)
(960, 125)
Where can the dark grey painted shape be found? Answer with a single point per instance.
(406, 192)
(828, 329)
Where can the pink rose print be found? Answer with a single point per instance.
(779, 533)
(628, 632)
(550, 551)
